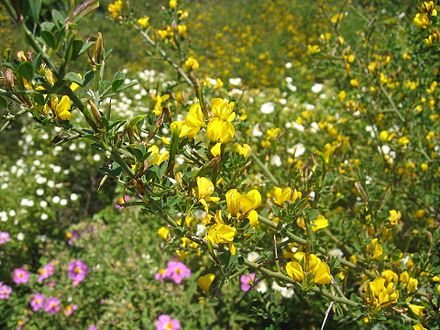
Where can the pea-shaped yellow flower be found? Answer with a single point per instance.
(220, 130)
(223, 109)
(205, 281)
(193, 122)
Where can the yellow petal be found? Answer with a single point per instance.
(205, 281)
(295, 271)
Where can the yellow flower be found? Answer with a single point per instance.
(281, 195)
(354, 83)
(250, 201)
(375, 249)
(156, 157)
(193, 122)
(295, 271)
(417, 309)
(216, 149)
(163, 232)
(158, 106)
(115, 9)
(412, 285)
(418, 326)
(306, 265)
(320, 222)
(205, 188)
(337, 18)
(205, 281)
(191, 64)
(313, 49)
(233, 202)
(144, 22)
(223, 109)
(389, 276)
(394, 217)
(421, 20)
(219, 130)
(244, 150)
(62, 109)
(172, 4)
(222, 234)
(322, 274)
(379, 294)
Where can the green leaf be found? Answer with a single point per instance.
(32, 9)
(48, 38)
(74, 77)
(118, 81)
(57, 16)
(26, 70)
(3, 103)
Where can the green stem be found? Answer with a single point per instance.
(265, 169)
(285, 278)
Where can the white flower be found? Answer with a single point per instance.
(309, 106)
(292, 88)
(317, 88)
(43, 204)
(297, 150)
(63, 202)
(96, 157)
(253, 256)
(298, 127)
(256, 131)
(12, 213)
(56, 199)
(336, 253)
(40, 192)
(20, 236)
(73, 197)
(44, 217)
(201, 230)
(276, 160)
(288, 80)
(288, 65)
(285, 291)
(267, 108)
(261, 287)
(235, 81)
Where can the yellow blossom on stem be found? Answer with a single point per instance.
(191, 63)
(394, 217)
(193, 122)
(308, 265)
(115, 9)
(319, 223)
(205, 281)
(418, 326)
(219, 130)
(417, 309)
(220, 233)
(163, 232)
(243, 149)
(380, 294)
(143, 22)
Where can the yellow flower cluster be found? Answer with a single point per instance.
(381, 292)
(310, 267)
(115, 9)
(239, 205)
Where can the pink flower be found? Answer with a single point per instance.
(77, 271)
(165, 322)
(92, 327)
(45, 272)
(247, 281)
(69, 309)
(52, 305)
(161, 275)
(20, 276)
(4, 237)
(5, 291)
(177, 271)
(37, 302)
